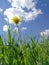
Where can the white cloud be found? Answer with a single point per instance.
(33, 15)
(23, 3)
(45, 33)
(24, 28)
(5, 28)
(17, 9)
(9, 0)
(1, 9)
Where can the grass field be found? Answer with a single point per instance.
(27, 53)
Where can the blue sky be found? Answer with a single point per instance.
(41, 22)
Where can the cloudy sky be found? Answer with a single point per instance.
(34, 14)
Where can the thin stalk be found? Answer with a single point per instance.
(20, 37)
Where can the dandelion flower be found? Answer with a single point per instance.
(16, 19)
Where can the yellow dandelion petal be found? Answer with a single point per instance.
(16, 19)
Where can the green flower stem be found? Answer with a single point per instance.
(20, 37)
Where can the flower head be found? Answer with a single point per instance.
(16, 19)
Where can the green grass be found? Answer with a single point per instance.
(31, 52)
